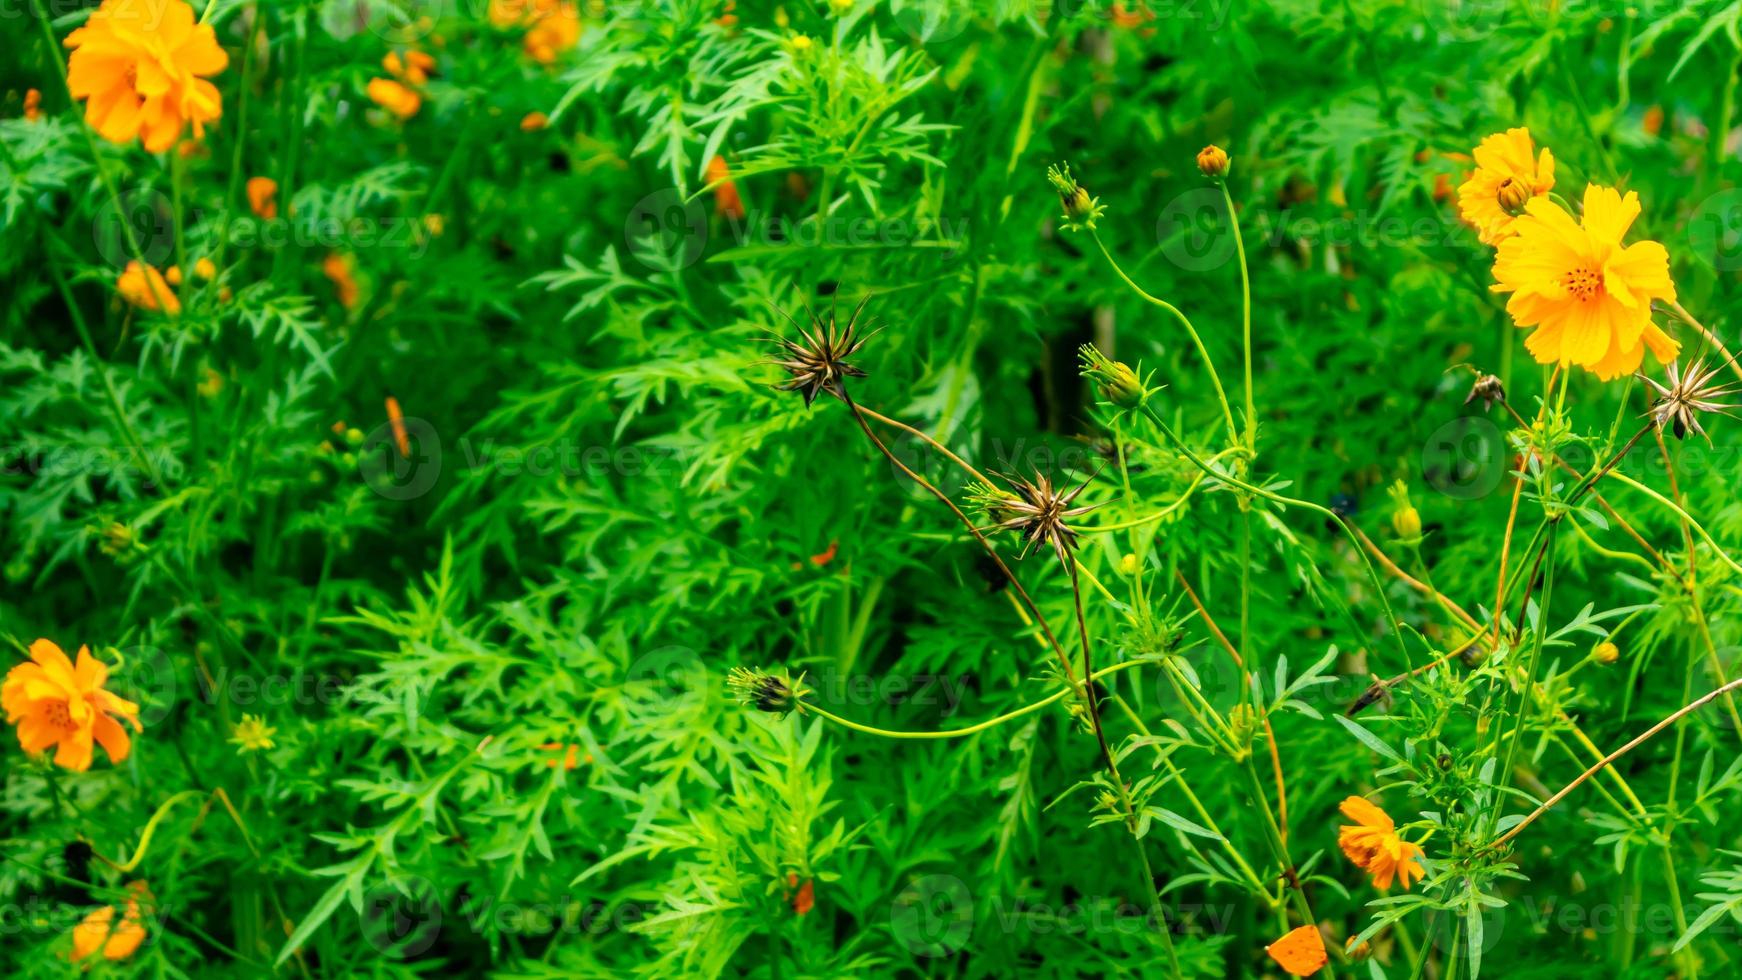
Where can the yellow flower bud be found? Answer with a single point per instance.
(1406, 521)
(1605, 653)
(1513, 196)
(1213, 162)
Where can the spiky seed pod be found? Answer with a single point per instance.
(763, 691)
(1489, 389)
(1038, 512)
(817, 361)
(1680, 403)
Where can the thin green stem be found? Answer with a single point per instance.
(1197, 341)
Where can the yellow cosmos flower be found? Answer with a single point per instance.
(98, 929)
(55, 702)
(143, 286)
(138, 64)
(1588, 296)
(1506, 164)
(1373, 845)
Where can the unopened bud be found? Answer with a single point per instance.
(1213, 162)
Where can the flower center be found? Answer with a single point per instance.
(56, 711)
(1584, 284)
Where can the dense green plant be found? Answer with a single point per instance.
(646, 644)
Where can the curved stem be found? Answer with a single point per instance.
(1203, 352)
(1027, 709)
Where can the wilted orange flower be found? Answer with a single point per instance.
(1588, 296)
(143, 286)
(98, 931)
(55, 702)
(32, 105)
(1504, 162)
(394, 97)
(726, 199)
(139, 66)
(1372, 843)
(263, 197)
(1301, 951)
(340, 269)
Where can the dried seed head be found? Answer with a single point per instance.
(1038, 511)
(1679, 404)
(817, 361)
(1081, 210)
(763, 691)
(1489, 389)
(1213, 162)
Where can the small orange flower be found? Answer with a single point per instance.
(394, 97)
(98, 931)
(56, 702)
(570, 755)
(146, 288)
(1588, 296)
(340, 269)
(142, 66)
(1504, 162)
(726, 199)
(263, 197)
(1373, 845)
(32, 105)
(532, 122)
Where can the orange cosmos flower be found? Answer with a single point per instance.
(1588, 295)
(1373, 845)
(414, 69)
(98, 930)
(55, 702)
(139, 66)
(143, 286)
(553, 33)
(532, 122)
(1300, 952)
(263, 197)
(394, 97)
(1504, 162)
(32, 105)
